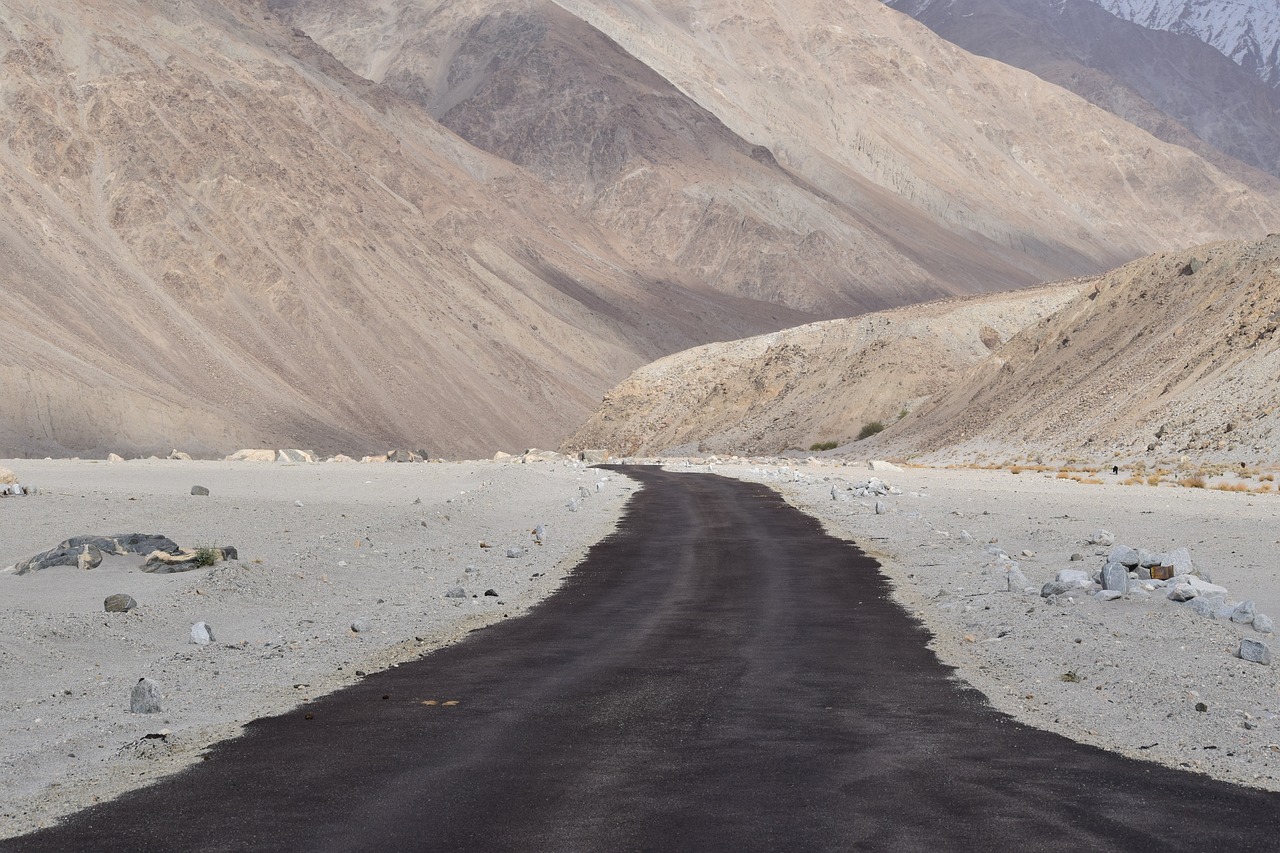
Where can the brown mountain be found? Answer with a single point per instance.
(1177, 87)
(217, 235)
(1171, 354)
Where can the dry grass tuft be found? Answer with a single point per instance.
(1232, 487)
(1154, 480)
(1192, 482)
(1133, 481)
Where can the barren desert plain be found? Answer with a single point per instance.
(345, 568)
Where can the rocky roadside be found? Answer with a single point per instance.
(1010, 573)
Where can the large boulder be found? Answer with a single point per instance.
(881, 465)
(406, 456)
(179, 456)
(252, 455)
(86, 551)
(295, 455)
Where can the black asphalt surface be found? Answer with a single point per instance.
(719, 675)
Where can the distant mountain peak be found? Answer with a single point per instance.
(1248, 31)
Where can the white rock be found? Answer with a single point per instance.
(201, 634)
(1073, 577)
(881, 465)
(145, 698)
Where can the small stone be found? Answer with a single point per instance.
(1262, 624)
(1244, 613)
(1182, 592)
(1115, 577)
(1206, 607)
(200, 491)
(1124, 555)
(1108, 594)
(145, 698)
(1201, 707)
(881, 508)
(202, 634)
(1180, 559)
(1073, 577)
(1255, 651)
(1077, 557)
(492, 593)
(1102, 537)
(584, 492)
(456, 592)
(1028, 554)
(966, 537)
(359, 626)
(515, 552)
(1053, 588)
(298, 504)
(1016, 580)
(119, 603)
(573, 505)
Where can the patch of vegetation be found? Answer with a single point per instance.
(824, 445)
(869, 429)
(206, 556)
(1192, 482)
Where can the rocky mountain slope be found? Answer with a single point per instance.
(1169, 355)
(815, 383)
(1176, 87)
(1172, 354)
(217, 235)
(1248, 31)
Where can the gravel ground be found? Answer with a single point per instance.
(362, 547)
(1127, 675)
(380, 543)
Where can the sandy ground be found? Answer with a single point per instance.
(375, 542)
(282, 614)
(1135, 669)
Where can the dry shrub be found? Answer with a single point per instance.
(1133, 481)
(1267, 478)
(1063, 475)
(1016, 469)
(1153, 480)
(1091, 481)
(1232, 487)
(1192, 482)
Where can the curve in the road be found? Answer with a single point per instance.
(718, 675)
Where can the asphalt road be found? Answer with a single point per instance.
(718, 676)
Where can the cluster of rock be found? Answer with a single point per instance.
(10, 487)
(163, 555)
(1137, 572)
(872, 488)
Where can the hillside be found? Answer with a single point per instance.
(1173, 354)
(1248, 31)
(1176, 87)
(819, 382)
(215, 234)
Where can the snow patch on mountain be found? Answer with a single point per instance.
(1248, 31)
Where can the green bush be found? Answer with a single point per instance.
(206, 556)
(870, 429)
(824, 445)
